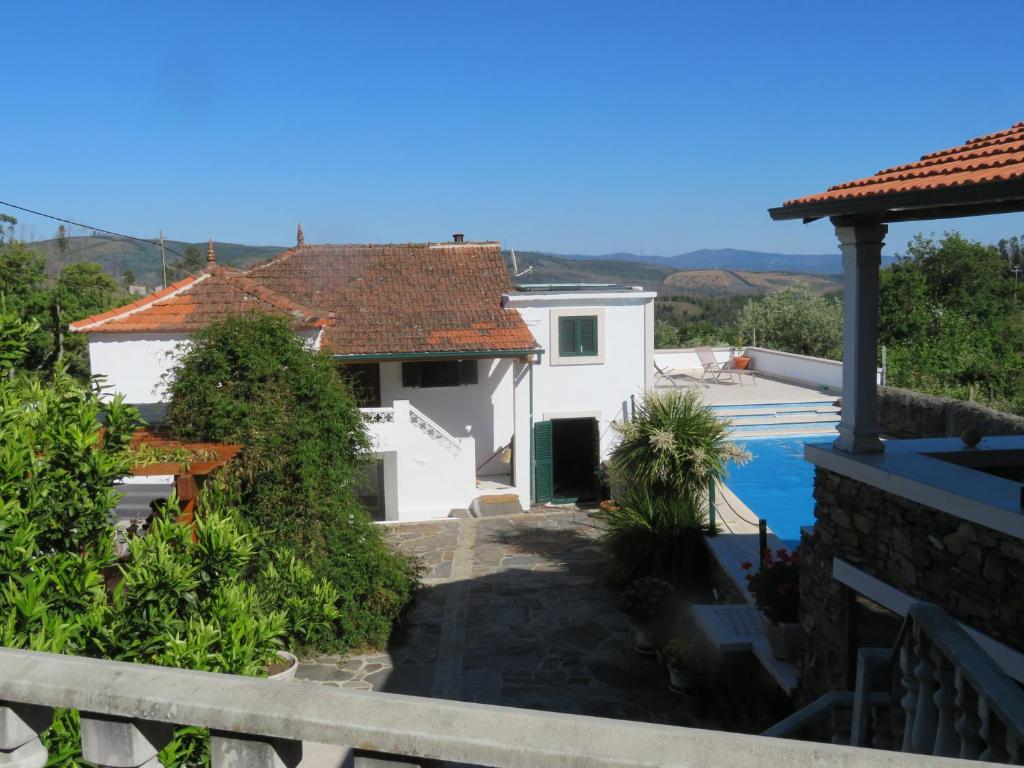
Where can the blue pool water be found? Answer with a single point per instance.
(777, 484)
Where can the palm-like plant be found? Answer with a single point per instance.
(650, 535)
(673, 446)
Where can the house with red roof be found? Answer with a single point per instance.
(475, 392)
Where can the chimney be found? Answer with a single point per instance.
(458, 237)
(211, 254)
(299, 237)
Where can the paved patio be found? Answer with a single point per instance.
(514, 611)
(756, 389)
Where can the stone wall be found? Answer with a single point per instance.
(974, 572)
(904, 413)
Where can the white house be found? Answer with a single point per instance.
(474, 391)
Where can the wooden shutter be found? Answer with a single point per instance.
(467, 371)
(410, 374)
(586, 335)
(566, 335)
(543, 463)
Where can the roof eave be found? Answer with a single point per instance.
(919, 205)
(438, 355)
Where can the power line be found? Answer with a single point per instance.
(87, 226)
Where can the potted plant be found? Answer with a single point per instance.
(688, 675)
(776, 589)
(645, 602)
(284, 668)
(739, 362)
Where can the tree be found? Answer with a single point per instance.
(196, 597)
(666, 335)
(794, 320)
(82, 289)
(952, 320)
(128, 278)
(249, 379)
(192, 260)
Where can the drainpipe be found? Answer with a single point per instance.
(533, 448)
(712, 522)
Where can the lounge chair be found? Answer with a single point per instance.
(712, 368)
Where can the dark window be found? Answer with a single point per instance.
(441, 373)
(577, 336)
(365, 381)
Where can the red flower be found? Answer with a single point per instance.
(746, 566)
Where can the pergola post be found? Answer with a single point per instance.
(861, 246)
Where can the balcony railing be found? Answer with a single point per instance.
(128, 710)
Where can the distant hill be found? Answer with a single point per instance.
(731, 258)
(117, 255)
(667, 281)
(727, 282)
(671, 276)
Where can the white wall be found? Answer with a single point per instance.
(601, 389)
(686, 359)
(801, 368)
(484, 411)
(133, 363)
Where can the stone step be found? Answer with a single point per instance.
(785, 418)
(496, 505)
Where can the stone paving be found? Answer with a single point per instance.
(514, 611)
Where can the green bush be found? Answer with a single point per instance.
(673, 446)
(249, 379)
(797, 320)
(649, 535)
(184, 597)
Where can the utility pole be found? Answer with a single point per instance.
(163, 260)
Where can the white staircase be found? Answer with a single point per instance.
(936, 692)
(780, 418)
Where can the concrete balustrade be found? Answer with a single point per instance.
(127, 710)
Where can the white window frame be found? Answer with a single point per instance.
(553, 318)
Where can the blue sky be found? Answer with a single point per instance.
(583, 127)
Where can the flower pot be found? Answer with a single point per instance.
(740, 362)
(697, 701)
(644, 639)
(288, 672)
(676, 679)
(785, 639)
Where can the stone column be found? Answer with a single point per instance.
(861, 245)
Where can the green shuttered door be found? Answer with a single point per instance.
(543, 476)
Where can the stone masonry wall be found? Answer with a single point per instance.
(974, 572)
(906, 414)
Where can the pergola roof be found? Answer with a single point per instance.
(984, 175)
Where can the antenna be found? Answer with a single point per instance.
(515, 267)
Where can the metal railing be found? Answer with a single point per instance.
(128, 712)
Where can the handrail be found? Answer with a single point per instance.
(393, 724)
(1004, 697)
(433, 430)
(810, 714)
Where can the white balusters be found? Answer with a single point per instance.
(908, 662)
(20, 726)
(968, 725)
(116, 742)
(993, 732)
(238, 750)
(946, 739)
(923, 733)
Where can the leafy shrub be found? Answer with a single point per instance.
(673, 446)
(776, 585)
(649, 535)
(184, 597)
(647, 599)
(250, 380)
(797, 320)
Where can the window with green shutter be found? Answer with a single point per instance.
(577, 336)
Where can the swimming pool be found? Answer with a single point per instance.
(777, 484)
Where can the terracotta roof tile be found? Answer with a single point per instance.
(991, 158)
(370, 299)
